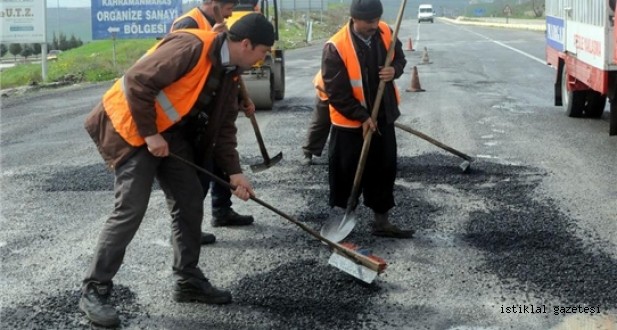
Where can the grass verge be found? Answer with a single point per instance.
(94, 61)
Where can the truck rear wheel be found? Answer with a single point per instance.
(573, 101)
(595, 104)
(613, 119)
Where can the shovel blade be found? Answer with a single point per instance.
(267, 164)
(352, 268)
(336, 229)
(465, 166)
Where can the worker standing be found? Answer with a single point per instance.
(222, 213)
(352, 68)
(319, 127)
(184, 89)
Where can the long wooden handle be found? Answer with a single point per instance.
(433, 141)
(389, 58)
(260, 140)
(359, 258)
(351, 203)
(262, 146)
(218, 17)
(244, 94)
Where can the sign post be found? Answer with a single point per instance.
(24, 22)
(113, 31)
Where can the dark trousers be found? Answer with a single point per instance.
(377, 185)
(132, 187)
(221, 195)
(319, 128)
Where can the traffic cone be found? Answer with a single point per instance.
(415, 82)
(410, 45)
(425, 59)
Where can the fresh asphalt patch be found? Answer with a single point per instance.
(61, 311)
(523, 239)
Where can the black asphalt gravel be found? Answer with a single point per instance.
(525, 241)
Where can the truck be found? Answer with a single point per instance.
(581, 44)
(426, 13)
(265, 81)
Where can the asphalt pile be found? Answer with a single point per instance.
(525, 240)
(308, 294)
(60, 310)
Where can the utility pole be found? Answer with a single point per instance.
(58, 22)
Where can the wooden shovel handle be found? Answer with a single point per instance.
(380, 90)
(244, 94)
(351, 254)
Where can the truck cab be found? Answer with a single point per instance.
(581, 44)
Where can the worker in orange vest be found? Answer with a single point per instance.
(319, 127)
(222, 213)
(352, 68)
(202, 17)
(181, 98)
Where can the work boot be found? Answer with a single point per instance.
(307, 159)
(207, 238)
(200, 290)
(229, 217)
(383, 228)
(93, 302)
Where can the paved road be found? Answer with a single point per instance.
(533, 223)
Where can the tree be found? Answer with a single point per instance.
(54, 43)
(36, 48)
(15, 49)
(3, 50)
(26, 52)
(539, 10)
(63, 44)
(73, 43)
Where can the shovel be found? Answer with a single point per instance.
(268, 162)
(345, 257)
(464, 166)
(337, 229)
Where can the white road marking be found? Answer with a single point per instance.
(539, 60)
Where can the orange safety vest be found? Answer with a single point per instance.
(319, 86)
(198, 16)
(171, 104)
(343, 42)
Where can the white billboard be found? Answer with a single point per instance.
(22, 21)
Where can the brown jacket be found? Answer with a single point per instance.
(336, 79)
(176, 56)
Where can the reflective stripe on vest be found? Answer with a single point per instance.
(171, 104)
(168, 108)
(343, 41)
(198, 16)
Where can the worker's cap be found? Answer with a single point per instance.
(254, 27)
(366, 9)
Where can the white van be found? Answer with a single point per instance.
(426, 13)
